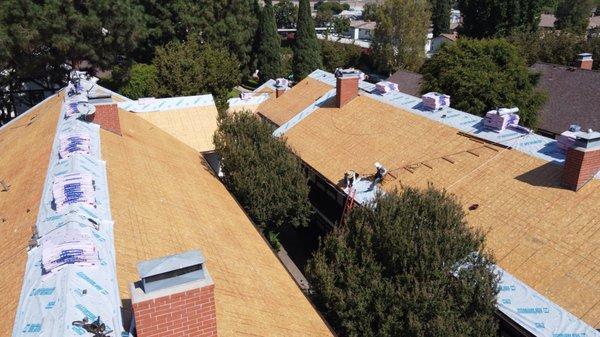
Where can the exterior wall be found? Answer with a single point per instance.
(580, 167)
(365, 34)
(346, 90)
(188, 313)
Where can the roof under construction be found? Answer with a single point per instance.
(544, 235)
(163, 200)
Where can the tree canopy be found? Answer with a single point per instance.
(187, 69)
(440, 16)
(573, 15)
(481, 75)
(286, 14)
(391, 270)
(307, 52)
(143, 81)
(262, 172)
(497, 18)
(400, 35)
(269, 61)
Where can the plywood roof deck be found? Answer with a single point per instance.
(193, 126)
(25, 148)
(543, 234)
(281, 109)
(165, 200)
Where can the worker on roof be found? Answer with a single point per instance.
(349, 177)
(381, 172)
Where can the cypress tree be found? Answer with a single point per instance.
(307, 52)
(573, 15)
(268, 58)
(440, 16)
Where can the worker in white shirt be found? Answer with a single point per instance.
(349, 177)
(381, 172)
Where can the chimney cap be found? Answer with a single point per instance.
(584, 56)
(348, 73)
(170, 263)
(587, 140)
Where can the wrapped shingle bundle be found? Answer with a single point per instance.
(499, 120)
(74, 143)
(71, 110)
(65, 248)
(385, 87)
(244, 96)
(69, 189)
(435, 100)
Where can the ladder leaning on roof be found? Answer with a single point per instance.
(348, 205)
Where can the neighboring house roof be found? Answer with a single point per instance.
(547, 20)
(367, 25)
(163, 200)
(408, 82)
(191, 119)
(545, 235)
(450, 37)
(572, 97)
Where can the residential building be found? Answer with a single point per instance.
(362, 30)
(572, 96)
(158, 237)
(438, 41)
(537, 203)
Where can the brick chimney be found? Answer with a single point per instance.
(279, 91)
(174, 298)
(584, 61)
(107, 116)
(583, 160)
(346, 86)
(281, 85)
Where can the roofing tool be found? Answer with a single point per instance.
(96, 327)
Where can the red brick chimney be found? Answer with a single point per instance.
(174, 298)
(279, 91)
(583, 160)
(584, 61)
(346, 86)
(281, 85)
(107, 116)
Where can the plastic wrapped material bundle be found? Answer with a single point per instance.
(74, 143)
(68, 247)
(281, 82)
(499, 120)
(435, 100)
(385, 87)
(245, 96)
(69, 189)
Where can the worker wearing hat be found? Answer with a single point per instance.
(381, 172)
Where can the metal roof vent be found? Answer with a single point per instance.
(170, 271)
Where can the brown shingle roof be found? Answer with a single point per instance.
(573, 97)
(545, 235)
(408, 82)
(164, 200)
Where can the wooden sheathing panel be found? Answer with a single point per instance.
(543, 234)
(165, 200)
(281, 109)
(25, 147)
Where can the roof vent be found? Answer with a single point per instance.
(172, 270)
(175, 297)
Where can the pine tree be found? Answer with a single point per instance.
(440, 16)
(307, 52)
(269, 45)
(573, 15)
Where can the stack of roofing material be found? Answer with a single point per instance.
(384, 87)
(72, 143)
(435, 100)
(281, 82)
(71, 269)
(499, 120)
(77, 109)
(245, 96)
(73, 247)
(69, 189)
(567, 139)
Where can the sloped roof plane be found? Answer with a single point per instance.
(164, 200)
(541, 233)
